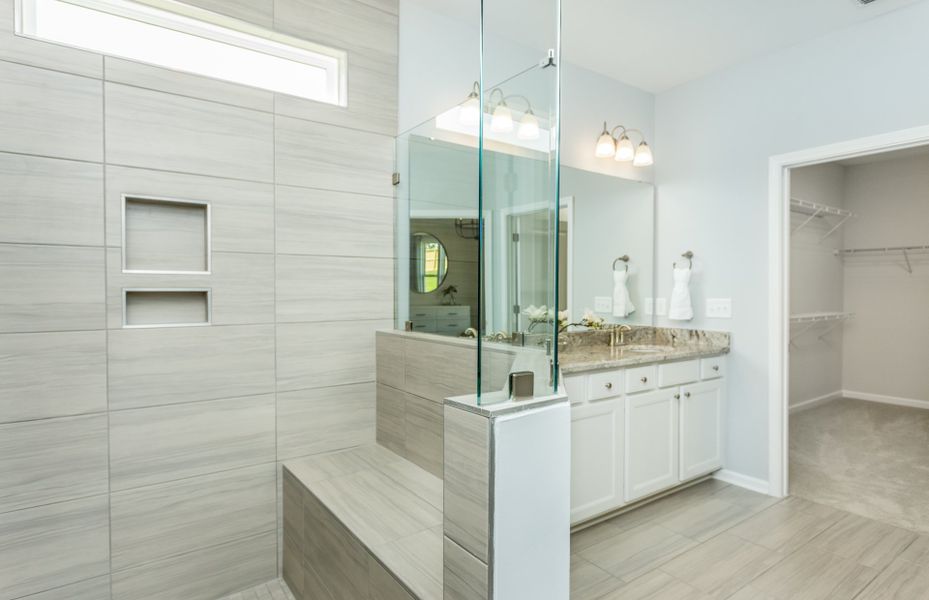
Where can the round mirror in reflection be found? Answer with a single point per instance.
(429, 263)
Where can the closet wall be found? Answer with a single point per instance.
(816, 285)
(878, 353)
(885, 350)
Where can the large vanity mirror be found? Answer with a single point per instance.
(605, 260)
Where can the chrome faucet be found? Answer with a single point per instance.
(619, 334)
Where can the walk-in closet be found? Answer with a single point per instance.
(859, 323)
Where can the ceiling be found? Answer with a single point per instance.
(658, 44)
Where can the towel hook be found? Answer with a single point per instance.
(625, 259)
(690, 259)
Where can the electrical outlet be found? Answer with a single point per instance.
(649, 307)
(661, 306)
(719, 308)
(603, 304)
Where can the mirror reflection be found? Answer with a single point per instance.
(429, 266)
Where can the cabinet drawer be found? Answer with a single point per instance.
(640, 379)
(604, 385)
(576, 387)
(712, 368)
(446, 312)
(451, 326)
(424, 326)
(678, 373)
(422, 312)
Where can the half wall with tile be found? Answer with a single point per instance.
(143, 462)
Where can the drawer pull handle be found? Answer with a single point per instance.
(677, 396)
(716, 368)
(644, 380)
(609, 386)
(687, 394)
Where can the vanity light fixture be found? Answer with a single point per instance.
(501, 115)
(622, 148)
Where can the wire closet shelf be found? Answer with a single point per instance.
(814, 210)
(904, 251)
(808, 321)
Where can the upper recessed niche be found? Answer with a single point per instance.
(165, 236)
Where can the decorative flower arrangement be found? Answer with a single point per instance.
(543, 315)
(448, 295)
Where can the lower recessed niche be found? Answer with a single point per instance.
(165, 235)
(166, 308)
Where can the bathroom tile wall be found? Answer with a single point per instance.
(144, 463)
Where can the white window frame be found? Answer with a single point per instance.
(190, 20)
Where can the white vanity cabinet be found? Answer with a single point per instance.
(642, 430)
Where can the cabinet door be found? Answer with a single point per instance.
(651, 443)
(701, 428)
(596, 458)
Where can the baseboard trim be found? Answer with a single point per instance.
(812, 402)
(910, 402)
(743, 481)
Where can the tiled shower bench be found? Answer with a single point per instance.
(362, 524)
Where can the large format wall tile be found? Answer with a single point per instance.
(390, 360)
(48, 201)
(35, 470)
(242, 287)
(334, 288)
(391, 418)
(51, 288)
(52, 374)
(369, 34)
(53, 545)
(341, 224)
(201, 575)
(257, 12)
(324, 419)
(423, 433)
(311, 355)
(50, 114)
(166, 443)
(148, 367)
(19, 49)
(174, 133)
(438, 371)
(327, 157)
(160, 521)
(465, 577)
(467, 480)
(241, 213)
(151, 77)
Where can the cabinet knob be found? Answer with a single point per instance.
(687, 394)
(645, 380)
(609, 386)
(677, 396)
(716, 368)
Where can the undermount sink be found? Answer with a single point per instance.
(646, 349)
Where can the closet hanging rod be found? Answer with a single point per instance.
(883, 250)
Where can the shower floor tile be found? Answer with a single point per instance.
(272, 590)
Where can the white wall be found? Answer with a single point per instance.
(816, 284)
(715, 136)
(885, 345)
(440, 58)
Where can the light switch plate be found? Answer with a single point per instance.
(719, 308)
(603, 304)
(649, 306)
(661, 306)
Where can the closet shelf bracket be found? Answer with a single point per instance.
(832, 320)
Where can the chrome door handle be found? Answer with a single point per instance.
(677, 396)
(644, 380)
(687, 394)
(609, 386)
(716, 368)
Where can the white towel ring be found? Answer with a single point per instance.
(690, 260)
(625, 259)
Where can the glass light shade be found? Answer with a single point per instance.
(502, 119)
(625, 150)
(470, 112)
(643, 156)
(528, 127)
(606, 145)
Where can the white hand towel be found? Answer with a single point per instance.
(622, 302)
(681, 308)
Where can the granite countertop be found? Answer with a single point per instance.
(591, 351)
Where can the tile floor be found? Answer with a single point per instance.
(715, 542)
(273, 590)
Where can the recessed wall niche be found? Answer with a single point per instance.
(165, 235)
(166, 308)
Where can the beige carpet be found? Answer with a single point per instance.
(865, 458)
